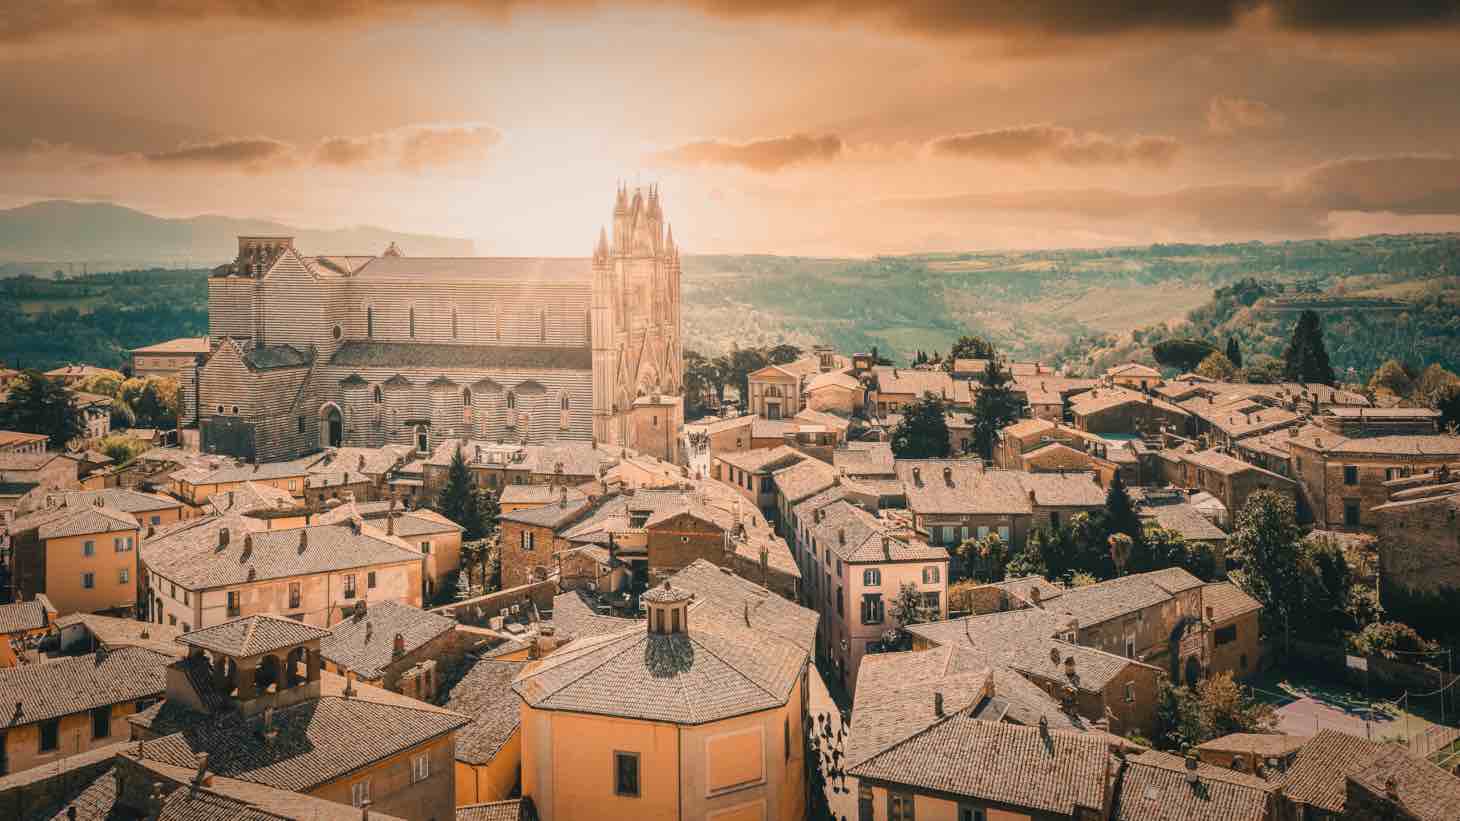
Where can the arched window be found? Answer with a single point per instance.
(370, 321)
(511, 400)
(413, 322)
(564, 402)
(872, 577)
(423, 440)
(542, 325)
(377, 395)
(466, 405)
(454, 324)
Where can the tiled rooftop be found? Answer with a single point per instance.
(36, 692)
(485, 695)
(364, 643)
(252, 636)
(1154, 787)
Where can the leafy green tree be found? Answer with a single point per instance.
(1392, 377)
(39, 404)
(1082, 579)
(984, 558)
(702, 380)
(104, 383)
(1181, 354)
(1217, 706)
(1234, 352)
(1264, 370)
(1267, 545)
(154, 401)
(782, 353)
(1386, 637)
(923, 431)
(487, 511)
(1030, 560)
(971, 347)
(121, 449)
(1447, 402)
(908, 606)
(1305, 359)
(1218, 367)
(1330, 588)
(1164, 548)
(1433, 382)
(995, 408)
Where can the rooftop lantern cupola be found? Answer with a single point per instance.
(668, 609)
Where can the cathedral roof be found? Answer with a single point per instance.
(275, 357)
(364, 354)
(576, 270)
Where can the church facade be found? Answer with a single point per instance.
(311, 352)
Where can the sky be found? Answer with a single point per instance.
(806, 127)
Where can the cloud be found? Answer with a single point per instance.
(765, 156)
(38, 20)
(1404, 184)
(435, 146)
(1229, 115)
(350, 152)
(253, 155)
(1039, 143)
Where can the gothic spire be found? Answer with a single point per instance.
(669, 237)
(601, 252)
(621, 202)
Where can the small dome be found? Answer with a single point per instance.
(666, 594)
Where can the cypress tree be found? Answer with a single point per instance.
(995, 407)
(458, 499)
(1234, 352)
(923, 431)
(1120, 513)
(1305, 359)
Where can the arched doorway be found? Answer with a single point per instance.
(331, 426)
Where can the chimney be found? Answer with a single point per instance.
(201, 759)
(349, 683)
(398, 647)
(369, 630)
(1034, 594)
(1032, 499)
(948, 475)
(303, 539)
(1191, 763)
(390, 524)
(917, 475)
(1070, 666)
(938, 703)
(222, 538)
(887, 547)
(841, 536)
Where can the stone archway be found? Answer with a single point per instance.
(331, 426)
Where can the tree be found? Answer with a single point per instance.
(121, 449)
(1391, 377)
(1330, 588)
(39, 404)
(458, 499)
(1234, 352)
(1217, 706)
(923, 431)
(1264, 370)
(1120, 550)
(995, 407)
(1447, 402)
(908, 606)
(1217, 367)
(154, 401)
(783, 353)
(1434, 382)
(1120, 512)
(986, 558)
(971, 347)
(1386, 637)
(702, 380)
(1267, 545)
(1030, 560)
(488, 509)
(1164, 548)
(1305, 359)
(103, 383)
(1181, 354)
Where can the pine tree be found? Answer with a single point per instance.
(1120, 513)
(458, 499)
(923, 431)
(1305, 359)
(487, 511)
(39, 404)
(995, 407)
(1234, 352)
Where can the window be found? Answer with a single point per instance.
(235, 410)
(293, 484)
(50, 735)
(233, 603)
(156, 520)
(1130, 692)
(172, 620)
(511, 400)
(1350, 474)
(336, 332)
(948, 534)
(1226, 635)
(872, 608)
(526, 540)
(1004, 534)
(101, 722)
(1054, 520)
(840, 610)
(413, 322)
(370, 322)
(88, 548)
(301, 424)
(377, 395)
(564, 402)
(1130, 648)
(900, 807)
(865, 812)
(931, 575)
(426, 548)
(124, 575)
(186, 628)
(838, 568)
(370, 580)
(294, 595)
(453, 323)
(88, 580)
(971, 814)
(786, 738)
(122, 544)
(350, 586)
(421, 764)
(626, 774)
(360, 792)
(1351, 512)
(983, 531)
(187, 597)
(872, 577)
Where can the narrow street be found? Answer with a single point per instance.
(830, 725)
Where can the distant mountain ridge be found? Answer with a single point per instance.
(109, 237)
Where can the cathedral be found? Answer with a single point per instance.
(311, 352)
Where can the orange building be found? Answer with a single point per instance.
(83, 557)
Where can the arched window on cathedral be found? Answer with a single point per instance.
(563, 411)
(454, 325)
(466, 405)
(511, 409)
(413, 322)
(423, 440)
(378, 395)
(370, 323)
(542, 325)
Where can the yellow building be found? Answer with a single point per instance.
(489, 750)
(697, 712)
(252, 697)
(70, 705)
(82, 557)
